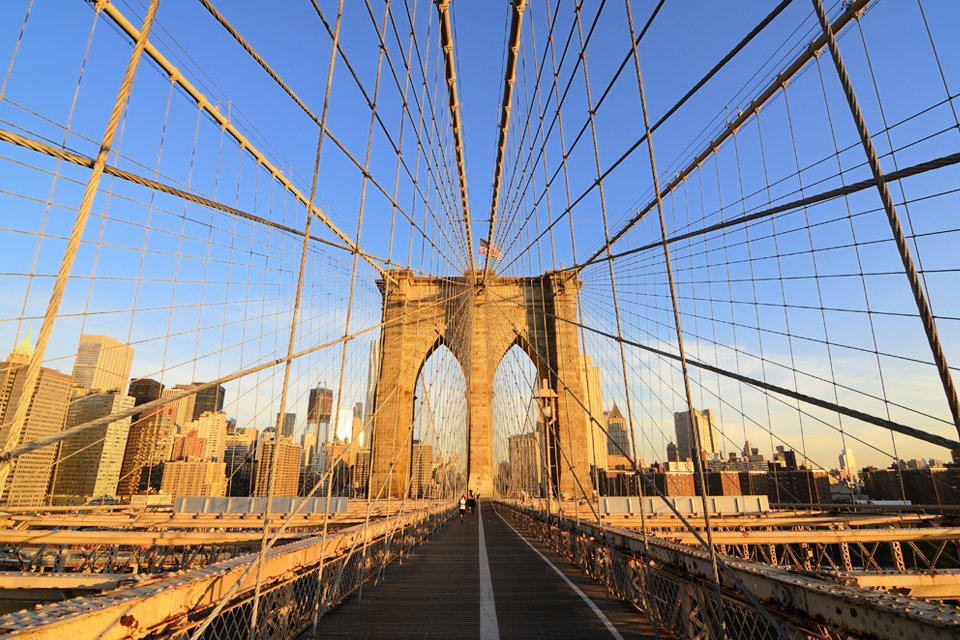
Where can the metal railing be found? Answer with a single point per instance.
(302, 581)
(670, 584)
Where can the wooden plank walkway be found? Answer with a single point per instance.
(437, 593)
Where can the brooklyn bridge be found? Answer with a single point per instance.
(676, 361)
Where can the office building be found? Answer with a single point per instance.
(149, 445)
(309, 441)
(103, 364)
(357, 429)
(342, 427)
(182, 408)
(594, 421)
(143, 390)
(526, 464)
(288, 466)
(29, 477)
(361, 472)
(189, 447)
(89, 463)
(208, 400)
(211, 427)
(618, 439)
(194, 478)
(287, 424)
(373, 375)
(421, 477)
(239, 454)
(848, 466)
(335, 458)
(319, 406)
(704, 427)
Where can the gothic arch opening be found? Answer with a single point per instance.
(438, 443)
(518, 453)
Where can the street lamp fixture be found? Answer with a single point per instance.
(545, 398)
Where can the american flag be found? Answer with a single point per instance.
(492, 249)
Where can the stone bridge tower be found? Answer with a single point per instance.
(479, 324)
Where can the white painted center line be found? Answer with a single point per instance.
(489, 629)
(606, 621)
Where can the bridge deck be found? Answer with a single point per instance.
(446, 591)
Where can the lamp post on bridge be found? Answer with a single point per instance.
(545, 398)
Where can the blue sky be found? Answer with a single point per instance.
(809, 298)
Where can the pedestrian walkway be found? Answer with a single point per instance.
(455, 586)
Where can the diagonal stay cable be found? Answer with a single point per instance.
(121, 21)
(326, 130)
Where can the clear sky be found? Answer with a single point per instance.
(814, 299)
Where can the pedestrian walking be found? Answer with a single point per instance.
(463, 506)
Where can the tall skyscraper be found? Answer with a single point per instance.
(361, 472)
(357, 429)
(241, 447)
(849, 464)
(525, 461)
(191, 407)
(46, 413)
(149, 444)
(704, 425)
(618, 440)
(373, 374)
(309, 442)
(208, 400)
(333, 453)
(288, 466)
(212, 427)
(421, 480)
(143, 390)
(594, 422)
(319, 405)
(89, 463)
(103, 364)
(288, 424)
(342, 427)
(183, 408)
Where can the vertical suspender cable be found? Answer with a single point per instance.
(275, 458)
(695, 432)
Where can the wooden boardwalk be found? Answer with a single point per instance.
(446, 590)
